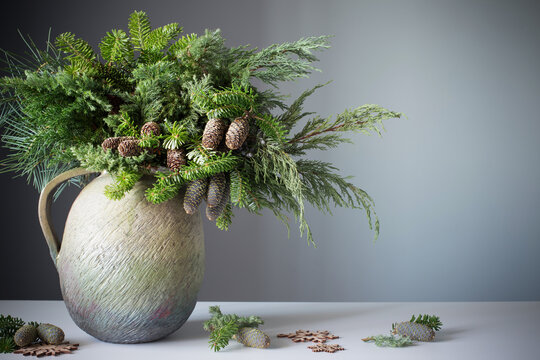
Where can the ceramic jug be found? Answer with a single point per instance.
(129, 270)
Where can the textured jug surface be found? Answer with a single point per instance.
(130, 270)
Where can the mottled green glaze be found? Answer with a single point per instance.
(130, 270)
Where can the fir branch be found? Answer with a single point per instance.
(139, 29)
(225, 219)
(163, 189)
(221, 336)
(271, 127)
(176, 135)
(126, 127)
(220, 163)
(9, 325)
(389, 340)
(431, 321)
(116, 47)
(80, 53)
(123, 182)
(159, 38)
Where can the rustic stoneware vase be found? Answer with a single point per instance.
(129, 270)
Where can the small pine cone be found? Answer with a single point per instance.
(253, 337)
(150, 129)
(213, 212)
(195, 192)
(414, 331)
(128, 148)
(113, 142)
(213, 133)
(176, 158)
(237, 133)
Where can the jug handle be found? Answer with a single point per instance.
(44, 208)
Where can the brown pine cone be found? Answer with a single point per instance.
(128, 148)
(176, 158)
(113, 142)
(237, 133)
(150, 129)
(213, 212)
(216, 189)
(195, 192)
(213, 133)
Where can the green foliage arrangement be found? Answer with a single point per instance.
(223, 327)
(60, 104)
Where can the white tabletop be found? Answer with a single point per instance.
(480, 330)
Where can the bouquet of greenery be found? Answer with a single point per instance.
(183, 110)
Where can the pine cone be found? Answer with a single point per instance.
(213, 212)
(128, 148)
(113, 142)
(216, 189)
(213, 133)
(150, 129)
(237, 133)
(253, 337)
(414, 331)
(195, 192)
(176, 158)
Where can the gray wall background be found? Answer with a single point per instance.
(456, 183)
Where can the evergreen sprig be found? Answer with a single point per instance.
(389, 340)
(9, 325)
(123, 182)
(431, 321)
(7, 345)
(223, 327)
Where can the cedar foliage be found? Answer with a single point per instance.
(58, 105)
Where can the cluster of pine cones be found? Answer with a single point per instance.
(216, 189)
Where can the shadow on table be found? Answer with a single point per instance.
(449, 334)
